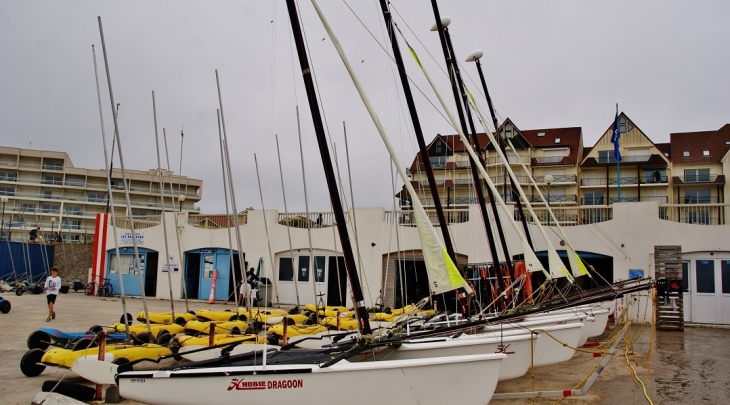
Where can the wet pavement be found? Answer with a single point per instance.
(690, 367)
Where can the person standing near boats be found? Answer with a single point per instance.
(53, 283)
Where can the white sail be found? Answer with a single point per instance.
(442, 272)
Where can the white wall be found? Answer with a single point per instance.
(630, 238)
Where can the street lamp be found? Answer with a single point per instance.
(53, 228)
(549, 179)
(4, 200)
(181, 199)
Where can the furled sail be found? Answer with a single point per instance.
(442, 272)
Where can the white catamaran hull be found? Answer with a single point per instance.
(555, 346)
(424, 381)
(516, 347)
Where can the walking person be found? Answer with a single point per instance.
(53, 284)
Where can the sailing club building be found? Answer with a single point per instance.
(666, 196)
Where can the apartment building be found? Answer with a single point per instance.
(43, 188)
(685, 176)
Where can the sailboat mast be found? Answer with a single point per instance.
(474, 171)
(350, 265)
(428, 168)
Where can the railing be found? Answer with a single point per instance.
(699, 178)
(8, 163)
(452, 201)
(552, 198)
(407, 218)
(140, 222)
(547, 160)
(558, 178)
(701, 200)
(707, 214)
(624, 159)
(313, 220)
(512, 159)
(215, 221)
(8, 177)
(570, 216)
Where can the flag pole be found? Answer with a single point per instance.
(616, 153)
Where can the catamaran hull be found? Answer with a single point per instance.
(516, 347)
(424, 381)
(555, 344)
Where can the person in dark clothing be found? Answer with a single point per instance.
(251, 278)
(57, 239)
(34, 234)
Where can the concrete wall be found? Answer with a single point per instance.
(629, 238)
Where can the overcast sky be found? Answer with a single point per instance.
(548, 64)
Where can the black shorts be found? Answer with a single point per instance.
(51, 298)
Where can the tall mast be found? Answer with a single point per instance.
(474, 172)
(417, 129)
(350, 265)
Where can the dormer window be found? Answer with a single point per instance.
(705, 153)
(685, 153)
(540, 134)
(557, 140)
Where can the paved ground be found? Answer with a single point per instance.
(690, 367)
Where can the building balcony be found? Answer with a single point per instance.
(512, 159)
(610, 200)
(554, 199)
(558, 179)
(553, 161)
(699, 179)
(625, 181)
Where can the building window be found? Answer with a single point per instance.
(303, 269)
(52, 180)
(319, 269)
(705, 153)
(697, 196)
(439, 145)
(696, 175)
(705, 272)
(685, 153)
(92, 197)
(655, 176)
(286, 272)
(557, 140)
(7, 191)
(50, 209)
(68, 210)
(540, 134)
(725, 273)
(593, 198)
(606, 156)
(438, 161)
(8, 177)
(26, 207)
(75, 181)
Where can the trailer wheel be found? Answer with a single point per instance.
(128, 319)
(19, 291)
(5, 306)
(142, 338)
(29, 364)
(39, 340)
(164, 338)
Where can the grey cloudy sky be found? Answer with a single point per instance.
(548, 64)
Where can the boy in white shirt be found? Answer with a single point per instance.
(53, 284)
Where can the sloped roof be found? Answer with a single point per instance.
(570, 137)
(696, 143)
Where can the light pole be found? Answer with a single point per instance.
(2, 225)
(549, 179)
(53, 228)
(181, 199)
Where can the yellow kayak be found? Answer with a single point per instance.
(161, 334)
(165, 318)
(118, 354)
(219, 339)
(227, 327)
(277, 331)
